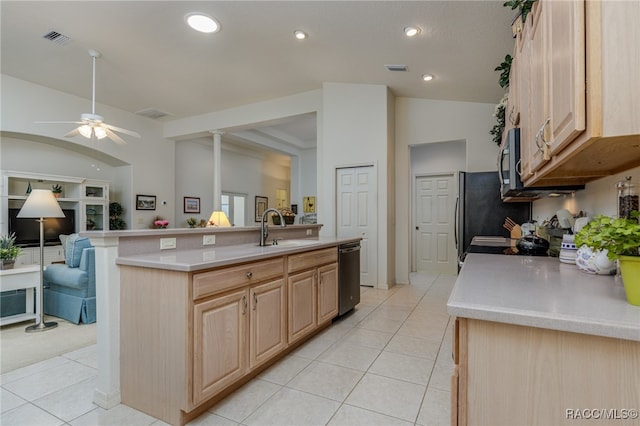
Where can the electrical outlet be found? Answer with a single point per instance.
(167, 243)
(208, 240)
(309, 232)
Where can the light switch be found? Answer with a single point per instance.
(309, 232)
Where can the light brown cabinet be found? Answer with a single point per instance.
(313, 293)
(578, 91)
(507, 374)
(189, 338)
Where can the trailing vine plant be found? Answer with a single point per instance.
(497, 130)
(524, 6)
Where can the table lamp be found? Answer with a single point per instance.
(41, 204)
(219, 218)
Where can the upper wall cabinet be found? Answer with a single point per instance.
(578, 90)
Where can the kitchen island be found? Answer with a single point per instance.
(540, 342)
(199, 323)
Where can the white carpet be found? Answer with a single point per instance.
(19, 349)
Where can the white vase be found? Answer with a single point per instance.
(594, 262)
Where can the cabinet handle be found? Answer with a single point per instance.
(249, 274)
(545, 147)
(519, 164)
(255, 301)
(244, 305)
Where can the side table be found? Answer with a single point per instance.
(22, 277)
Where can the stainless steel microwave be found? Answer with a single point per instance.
(510, 168)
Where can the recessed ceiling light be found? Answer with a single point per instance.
(300, 35)
(427, 77)
(203, 23)
(411, 31)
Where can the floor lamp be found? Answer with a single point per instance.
(41, 204)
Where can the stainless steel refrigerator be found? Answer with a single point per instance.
(480, 209)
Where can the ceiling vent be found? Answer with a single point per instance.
(57, 38)
(396, 68)
(156, 114)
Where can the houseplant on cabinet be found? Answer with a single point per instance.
(8, 251)
(621, 238)
(57, 190)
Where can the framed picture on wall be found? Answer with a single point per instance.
(145, 202)
(262, 204)
(191, 204)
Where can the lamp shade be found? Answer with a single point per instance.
(219, 218)
(41, 203)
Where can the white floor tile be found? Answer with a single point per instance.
(441, 377)
(349, 415)
(9, 401)
(29, 415)
(87, 356)
(70, 402)
(392, 397)
(120, 415)
(285, 370)
(240, 404)
(209, 419)
(43, 383)
(329, 381)
(350, 356)
(23, 372)
(313, 348)
(413, 346)
(403, 367)
(292, 407)
(436, 409)
(367, 338)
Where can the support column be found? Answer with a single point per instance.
(107, 392)
(217, 175)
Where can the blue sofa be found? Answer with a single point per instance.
(70, 289)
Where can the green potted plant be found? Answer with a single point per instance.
(523, 6)
(621, 238)
(57, 190)
(9, 251)
(192, 222)
(115, 221)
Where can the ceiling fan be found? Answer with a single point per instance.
(91, 124)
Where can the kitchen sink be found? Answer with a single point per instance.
(293, 243)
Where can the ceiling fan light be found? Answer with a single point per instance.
(85, 130)
(100, 132)
(203, 23)
(411, 31)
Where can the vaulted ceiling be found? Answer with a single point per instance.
(151, 60)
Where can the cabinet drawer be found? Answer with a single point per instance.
(207, 283)
(310, 259)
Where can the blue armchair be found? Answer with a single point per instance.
(70, 290)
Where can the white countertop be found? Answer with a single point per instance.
(542, 292)
(206, 258)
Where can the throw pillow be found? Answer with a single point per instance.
(75, 245)
(63, 240)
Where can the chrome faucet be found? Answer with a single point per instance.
(264, 228)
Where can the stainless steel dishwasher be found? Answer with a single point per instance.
(348, 276)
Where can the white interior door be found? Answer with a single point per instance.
(434, 245)
(357, 216)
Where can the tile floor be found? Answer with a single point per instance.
(386, 363)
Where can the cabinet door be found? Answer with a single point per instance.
(219, 343)
(524, 95)
(268, 335)
(95, 217)
(566, 63)
(302, 304)
(327, 293)
(538, 88)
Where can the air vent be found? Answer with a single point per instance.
(153, 113)
(397, 68)
(57, 38)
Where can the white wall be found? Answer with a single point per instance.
(355, 131)
(598, 197)
(438, 157)
(420, 121)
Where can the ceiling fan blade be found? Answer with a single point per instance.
(117, 139)
(58, 122)
(74, 132)
(121, 130)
